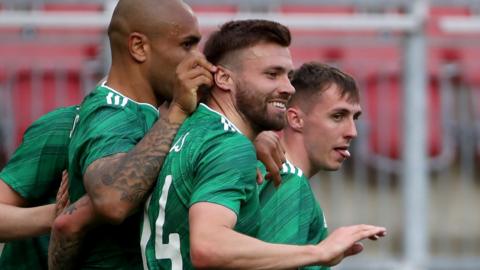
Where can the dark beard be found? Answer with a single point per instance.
(254, 110)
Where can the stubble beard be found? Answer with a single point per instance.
(254, 110)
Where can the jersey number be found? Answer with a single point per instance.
(162, 251)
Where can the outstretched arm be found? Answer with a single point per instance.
(214, 244)
(18, 221)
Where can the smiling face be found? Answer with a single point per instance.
(329, 127)
(262, 85)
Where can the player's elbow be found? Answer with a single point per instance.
(107, 201)
(68, 227)
(205, 255)
(112, 213)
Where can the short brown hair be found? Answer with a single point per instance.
(236, 35)
(313, 78)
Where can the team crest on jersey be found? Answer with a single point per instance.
(179, 144)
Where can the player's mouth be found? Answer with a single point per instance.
(343, 151)
(279, 104)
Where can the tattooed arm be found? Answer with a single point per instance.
(116, 197)
(118, 184)
(68, 231)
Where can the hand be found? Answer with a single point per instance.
(63, 198)
(193, 72)
(344, 242)
(271, 153)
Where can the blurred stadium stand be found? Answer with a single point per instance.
(43, 67)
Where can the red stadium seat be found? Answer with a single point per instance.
(437, 12)
(384, 99)
(72, 7)
(36, 94)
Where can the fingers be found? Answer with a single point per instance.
(274, 176)
(278, 154)
(281, 152)
(377, 236)
(196, 59)
(270, 153)
(192, 73)
(62, 191)
(259, 177)
(62, 194)
(369, 231)
(345, 241)
(200, 79)
(354, 249)
(202, 61)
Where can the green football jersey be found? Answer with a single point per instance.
(35, 172)
(291, 214)
(210, 161)
(108, 123)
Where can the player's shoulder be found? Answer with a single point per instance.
(54, 121)
(211, 126)
(104, 98)
(294, 176)
(58, 114)
(210, 135)
(103, 95)
(290, 170)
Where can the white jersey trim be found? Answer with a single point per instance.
(288, 167)
(228, 122)
(125, 98)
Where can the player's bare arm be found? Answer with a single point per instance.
(214, 244)
(68, 231)
(18, 221)
(118, 184)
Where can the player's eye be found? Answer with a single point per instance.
(337, 117)
(188, 45)
(271, 74)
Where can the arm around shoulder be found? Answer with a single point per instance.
(118, 184)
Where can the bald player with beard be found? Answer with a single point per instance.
(154, 59)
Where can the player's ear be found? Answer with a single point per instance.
(295, 119)
(138, 46)
(223, 79)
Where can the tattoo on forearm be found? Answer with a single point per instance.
(64, 248)
(70, 209)
(63, 252)
(136, 172)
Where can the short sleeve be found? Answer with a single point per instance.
(226, 172)
(107, 132)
